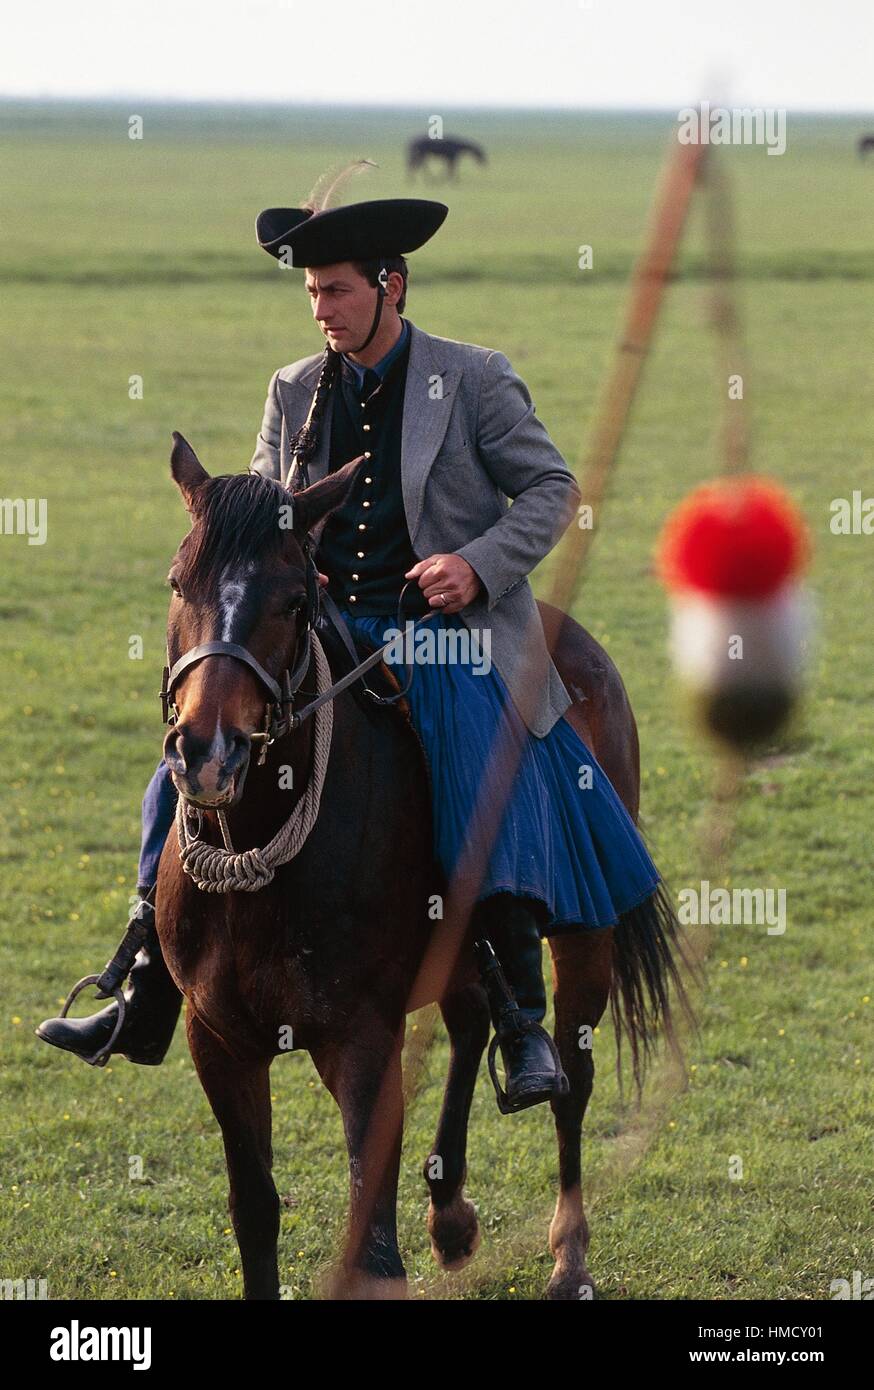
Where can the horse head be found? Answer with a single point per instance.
(245, 595)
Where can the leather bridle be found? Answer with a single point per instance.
(279, 717)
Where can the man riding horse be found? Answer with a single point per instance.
(448, 433)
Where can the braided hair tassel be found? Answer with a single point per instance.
(305, 441)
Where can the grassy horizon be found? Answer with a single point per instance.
(127, 258)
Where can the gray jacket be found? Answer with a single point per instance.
(470, 441)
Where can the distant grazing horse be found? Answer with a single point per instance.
(323, 955)
(866, 144)
(449, 150)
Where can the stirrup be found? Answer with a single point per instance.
(561, 1087)
(102, 1055)
(112, 976)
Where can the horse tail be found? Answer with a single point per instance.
(651, 955)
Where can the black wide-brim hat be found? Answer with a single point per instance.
(354, 232)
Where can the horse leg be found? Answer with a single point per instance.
(363, 1074)
(239, 1093)
(582, 963)
(452, 1219)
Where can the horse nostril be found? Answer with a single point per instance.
(238, 746)
(173, 753)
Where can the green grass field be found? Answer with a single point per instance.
(125, 258)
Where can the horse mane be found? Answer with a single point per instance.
(236, 519)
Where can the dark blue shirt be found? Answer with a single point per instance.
(384, 363)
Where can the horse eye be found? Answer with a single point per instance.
(174, 584)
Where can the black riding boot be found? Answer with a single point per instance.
(510, 958)
(152, 1003)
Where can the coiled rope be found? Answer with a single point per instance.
(217, 870)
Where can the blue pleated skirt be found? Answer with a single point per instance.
(565, 839)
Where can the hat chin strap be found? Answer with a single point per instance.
(381, 279)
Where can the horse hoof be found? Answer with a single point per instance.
(454, 1232)
(571, 1287)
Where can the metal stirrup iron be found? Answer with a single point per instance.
(510, 1018)
(111, 978)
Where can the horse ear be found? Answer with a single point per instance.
(314, 504)
(188, 472)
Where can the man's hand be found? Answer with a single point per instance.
(447, 581)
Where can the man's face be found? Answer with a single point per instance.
(343, 303)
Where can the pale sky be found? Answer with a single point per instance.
(801, 54)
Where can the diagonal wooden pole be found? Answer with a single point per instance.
(632, 1139)
(648, 283)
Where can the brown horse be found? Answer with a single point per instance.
(423, 151)
(324, 956)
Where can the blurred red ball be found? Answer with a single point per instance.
(737, 538)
